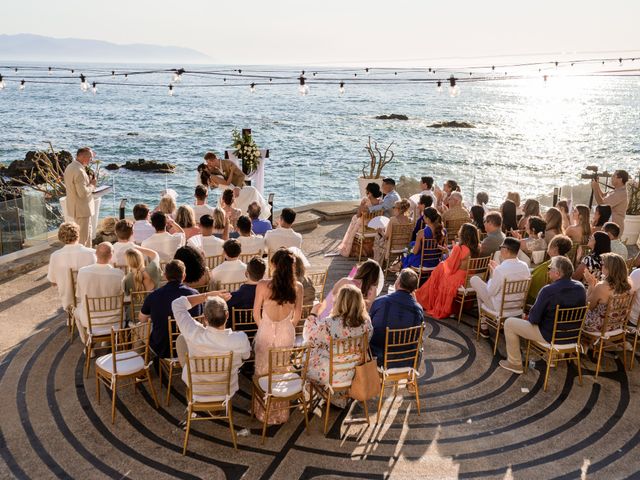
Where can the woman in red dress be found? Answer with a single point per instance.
(437, 294)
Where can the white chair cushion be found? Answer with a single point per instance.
(505, 314)
(558, 346)
(126, 363)
(299, 341)
(281, 385)
(102, 330)
(209, 398)
(395, 371)
(609, 334)
(461, 289)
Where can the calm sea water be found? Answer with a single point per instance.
(530, 136)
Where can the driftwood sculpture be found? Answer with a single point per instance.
(378, 159)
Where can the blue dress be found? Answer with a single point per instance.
(413, 259)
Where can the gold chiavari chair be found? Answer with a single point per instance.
(284, 383)
(400, 366)
(135, 304)
(128, 360)
(229, 287)
(631, 262)
(613, 333)
(319, 280)
(170, 366)
(453, 227)
(397, 243)
(431, 255)
(514, 296)
(583, 251)
(573, 254)
(344, 355)
(246, 257)
(208, 391)
(364, 231)
(71, 309)
(565, 340)
(213, 261)
(103, 313)
(242, 321)
(481, 235)
(306, 310)
(478, 267)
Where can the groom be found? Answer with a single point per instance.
(223, 172)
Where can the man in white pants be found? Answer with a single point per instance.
(490, 293)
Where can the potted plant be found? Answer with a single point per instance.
(378, 160)
(632, 218)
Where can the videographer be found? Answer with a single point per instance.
(617, 199)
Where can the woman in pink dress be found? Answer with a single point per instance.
(373, 197)
(276, 310)
(437, 294)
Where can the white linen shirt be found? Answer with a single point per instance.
(205, 341)
(98, 280)
(210, 246)
(119, 250)
(282, 237)
(201, 210)
(142, 230)
(252, 244)
(165, 244)
(510, 270)
(68, 257)
(229, 271)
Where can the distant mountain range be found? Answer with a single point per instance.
(27, 47)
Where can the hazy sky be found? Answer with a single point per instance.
(331, 31)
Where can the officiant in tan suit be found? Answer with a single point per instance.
(80, 194)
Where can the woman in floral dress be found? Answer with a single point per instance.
(348, 318)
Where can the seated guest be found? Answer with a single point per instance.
(373, 196)
(209, 337)
(227, 202)
(308, 290)
(580, 229)
(246, 294)
(167, 204)
(613, 230)
(187, 221)
(71, 256)
(490, 293)
(206, 241)
(436, 295)
(515, 198)
(389, 200)
(348, 319)
(563, 207)
(599, 243)
(601, 215)
(535, 228)
(553, 218)
(426, 186)
(221, 226)
(509, 218)
(396, 310)
(634, 280)
(141, 277)
(599, 291)
(201, 208)
(425, 202)
(381, 241)
(162, 241)
(97, 280)
(259, 227)
(106, 231)
(455, 212)
(560, 245)
(157, 307)
(563, 292)
(232, 270)
(196, 271)
(531, 208)
(142, 229)
(249, 242)
(477, 217)
(432, 230)
(444, 195)
(124, 234)
(366, 277)
(283, 236)
(494, 239)
(482, 198)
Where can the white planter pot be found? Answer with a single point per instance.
(362, 183)
(631, 230)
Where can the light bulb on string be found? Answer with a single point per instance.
(16, 69)
(73, 71)
(270, 80)
(49, 70)
(1, 83)
(177, 75)
(454, 89)
(303, 88)
(341, 88)
(22, 85)
(126, 76)
(171, 90)
(113, 74)
(252, 88)
(94, 88)
(84, 86)
(366, 70)
(439, 86)
(545, 78)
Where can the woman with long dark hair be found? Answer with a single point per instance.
(509, 217)
(432, 230)
(599, 243)
(600, 217)
(477, 217)
(277, 309)
(196, 271)
(436, 295)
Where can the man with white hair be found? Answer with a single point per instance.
(456, 212)
(79, 188)
(98, 280)
(209, 337)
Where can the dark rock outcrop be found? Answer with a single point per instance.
(393, 116)
(112, 166)
(23, 169)
(151, 166)
(452, 124)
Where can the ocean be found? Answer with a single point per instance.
(530, 136)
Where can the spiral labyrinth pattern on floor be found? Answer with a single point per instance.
(477, 421)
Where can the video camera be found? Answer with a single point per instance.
(595, 175)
